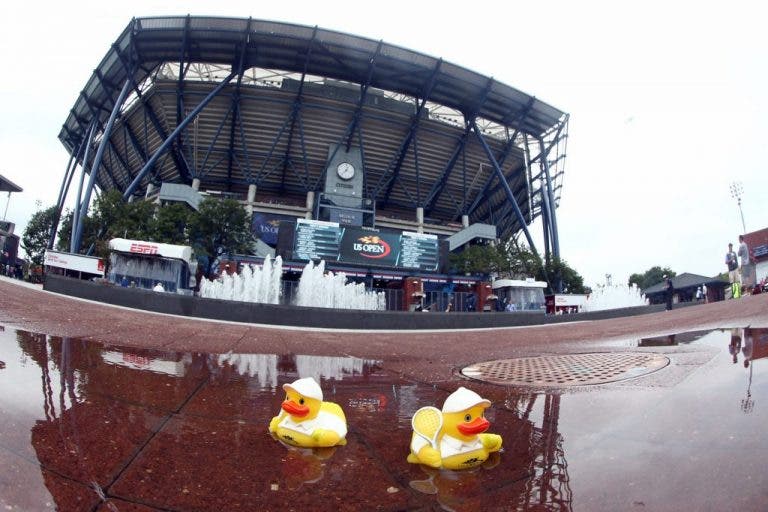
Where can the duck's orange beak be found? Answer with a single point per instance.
(294, 409)
(475, 426)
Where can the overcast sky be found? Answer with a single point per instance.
(668, 104)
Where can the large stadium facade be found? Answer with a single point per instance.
(298, 122)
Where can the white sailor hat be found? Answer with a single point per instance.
(306, 387)
(462, 399)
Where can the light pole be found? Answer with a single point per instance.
(736, 191)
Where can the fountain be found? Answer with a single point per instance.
(611, 296)
(253, 284)
(317, 288)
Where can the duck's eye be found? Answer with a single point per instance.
(301, 401)
(468, 417)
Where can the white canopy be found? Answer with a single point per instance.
(182, 252)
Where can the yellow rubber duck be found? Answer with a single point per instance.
(305, 420)
(453, 438)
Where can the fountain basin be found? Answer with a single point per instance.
(300, 316)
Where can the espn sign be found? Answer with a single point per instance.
(143, 248)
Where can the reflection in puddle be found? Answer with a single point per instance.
(658, 341)
(267, 367)
(188, 431)
(751, 344)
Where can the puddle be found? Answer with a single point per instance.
(85, 425)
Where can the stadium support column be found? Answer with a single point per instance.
(68, 175)
(310, 205)
(551, 201)
(76, 212)
(97, 163)
(167, 143)
(420, 219)
(507, 189)
(251, 198)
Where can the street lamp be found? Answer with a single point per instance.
(736, 191)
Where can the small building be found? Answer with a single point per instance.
(757, 241)
(522, 294)
(685, 286)
(145, 264)
(565, 303)
(67, 264)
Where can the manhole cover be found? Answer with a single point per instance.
(566, 370)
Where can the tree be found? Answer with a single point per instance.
(121, 219)
(219, 227)
(650, 277)
(559, 270)
(110, 217)
(477, 259)
(35, 237)
(520, 261)
(90, 230)
(170, 224)
(510, 259)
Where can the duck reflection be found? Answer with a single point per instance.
(457, 490)
(302, 466)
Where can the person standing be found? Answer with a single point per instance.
(669, 290)
(745, 271)
(733, 270)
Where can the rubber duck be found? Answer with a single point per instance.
(306, 420)
(453, 438)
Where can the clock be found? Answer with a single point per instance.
(345, 171)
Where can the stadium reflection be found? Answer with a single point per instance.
(84, 423)
(188, 431)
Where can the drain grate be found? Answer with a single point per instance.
(566, 370)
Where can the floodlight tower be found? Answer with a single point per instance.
(736, 192)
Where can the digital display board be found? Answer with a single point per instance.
(318, 240)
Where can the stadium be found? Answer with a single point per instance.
(311, 130)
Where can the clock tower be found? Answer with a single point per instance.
(344, 176)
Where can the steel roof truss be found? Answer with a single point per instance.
(507, 189)
(304, 156)
(469, 121)
(415, 122)
(549, 203)
(288, 121)
(363, 93)
(199, 173)
(170, 139)
(437, 187)
(298, 103)
(178, 159)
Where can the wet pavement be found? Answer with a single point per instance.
(105, 409)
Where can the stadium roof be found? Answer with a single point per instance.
(7, 185)
(273, 45)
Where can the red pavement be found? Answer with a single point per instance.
(83, 427)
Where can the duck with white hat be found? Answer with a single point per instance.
(453, 438)
(307, 421)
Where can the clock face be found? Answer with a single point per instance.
(346, 171)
